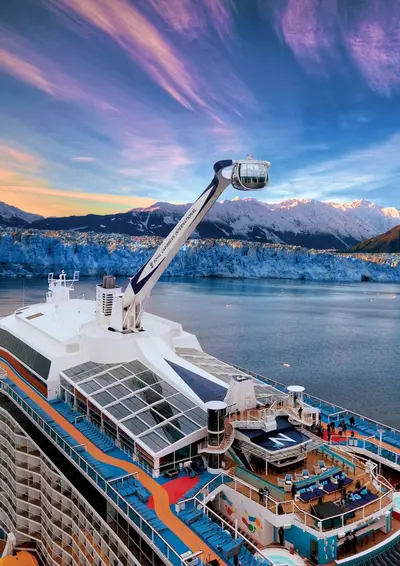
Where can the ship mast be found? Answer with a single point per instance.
(245, 175)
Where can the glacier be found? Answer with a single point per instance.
(34, 253)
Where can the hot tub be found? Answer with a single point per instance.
(282, 556)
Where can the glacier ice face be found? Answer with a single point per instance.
(35, 253)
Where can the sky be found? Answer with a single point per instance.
(107, 105)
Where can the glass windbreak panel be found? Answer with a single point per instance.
(149, 377)
(198, 416)
(164, 389)
(135, 366)
(119, 391)
(134, 404)
(169, 433)
(103, 398)
(120, 373)
(135, 425)
(105, 379)
(90, 386)
(152, 418)
(119, 411)
(134, 383)
(182, 402)
(166, 409)
(149, 396)
(185, 425)
(154, 442)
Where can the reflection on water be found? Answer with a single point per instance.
(341, 341)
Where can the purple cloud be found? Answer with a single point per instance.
(314, 30)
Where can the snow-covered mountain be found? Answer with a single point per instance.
(28, 252)
(304, 222)
(12, 216)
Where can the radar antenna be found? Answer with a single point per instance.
(244, 175)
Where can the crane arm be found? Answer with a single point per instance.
(245, 175)
(142, 283)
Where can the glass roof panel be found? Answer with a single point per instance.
(166, 409)
(182, 402)
(135, 366)
(149, 396)
(185, 425)
(164, 389)
(151, 418)
(198, 416)
(134, 404)
(154, 442)
(90, 386)
(119, 391)
(105, 379)
(103, 398)
(119, 411)
(170, 433)
(120, 373)
(134, 383)
(135, 425)
(149, 377)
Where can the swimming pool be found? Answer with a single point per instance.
(282, 556)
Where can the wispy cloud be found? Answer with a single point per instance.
(154, 161)
(13, 156)
(355, 173)
(144, 43)
(168, 63)
(307, 27)
(196, 19)
(24, 71)
(20, 59)
(317, 31)
(374, 44)
(83, 159)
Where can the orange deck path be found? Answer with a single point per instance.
(160, 495)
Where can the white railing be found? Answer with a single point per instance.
(338, 408)
(291, 507)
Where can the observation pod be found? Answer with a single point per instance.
(250, 175)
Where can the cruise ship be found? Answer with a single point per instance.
(124, 443)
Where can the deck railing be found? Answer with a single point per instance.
(147, 531)
(338, 409)
(279, 507)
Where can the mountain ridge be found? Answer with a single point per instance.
(11, 216)
(389, 242)
(305, 222)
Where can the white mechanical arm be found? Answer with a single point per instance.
(245, 175)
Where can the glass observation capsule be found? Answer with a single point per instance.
(250, 175)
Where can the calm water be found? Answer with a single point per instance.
(342, 341)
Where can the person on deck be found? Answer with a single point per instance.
(294, 490)
(351, 421)
(281, 534)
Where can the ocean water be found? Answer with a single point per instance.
(342, 341)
